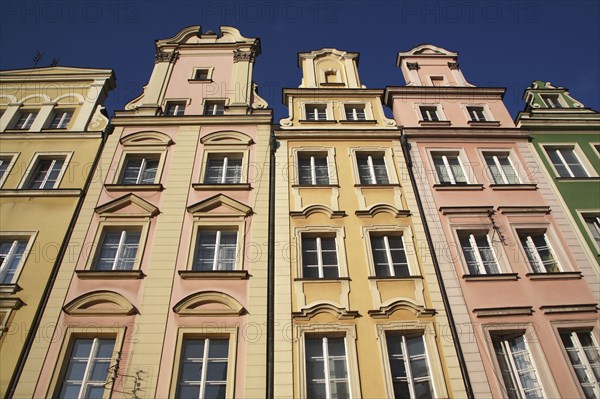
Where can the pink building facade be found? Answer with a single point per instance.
(522, 291)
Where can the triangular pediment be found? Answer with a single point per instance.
(220, 205)
(129, 205)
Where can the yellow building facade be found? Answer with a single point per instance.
(367, 314)
(52, 127)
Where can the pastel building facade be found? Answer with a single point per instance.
(511, 262)
(52, 128)
(164, 291)
(566, 138)
(367, 316)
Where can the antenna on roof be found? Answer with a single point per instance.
(37, 57)
(54, 62)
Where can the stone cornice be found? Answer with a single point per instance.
(329, 93)
(465, 132)
(127, 118)
(442, 92)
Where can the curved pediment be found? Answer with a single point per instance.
(226, 137)
(147, 138)
(430, 49)
(209, 303)
(220, 205)
(71, 98)
(382, 208)
(100, 303)
(192, 34)
(314, 309)
(318, 208)
(129, 205)
(388, 308)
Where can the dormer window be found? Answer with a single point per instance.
(429, 113)
(316, 112)
(330, 77)
(437, 80)
(61, 119)
(214, 107)
(476, 114)
(175, 108)
(355, 112)
(25, 120)
(552, 100)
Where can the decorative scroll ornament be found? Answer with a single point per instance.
(412, 66)
(163, 56)
(248, 56)
(453, 65)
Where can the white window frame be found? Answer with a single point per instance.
(15, 236)
(329, 152)
(581, 353)
(9, 159)
(495, 153)
(475, 248)
(459, 153)
(484, 109)
(211, 107)
(226, 156)
(388, 253)
(391, 230)
(319, 252)
(579, 155)
(179, 104)
(328, 380)
(32, 114)
(340, 236)
(313, 168)
(371, 166)
(355, 113)
(33, 164)
(120, 247)
(63, 116)
(209, 73)
(145, 156)
(328, 111)
(591, 213)
(217, 247)
(531, 246)
(201, 223)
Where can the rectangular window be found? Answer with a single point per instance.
(316, 112)
(139, 169)
(45, 173)
(539, 253)
(201, 74)
(371, 169)
(551, 100)
(330, 77)
(11, 256)
(585, 358)
(214, 108)
(87, 371)
(203, 368)
(25, 120)
(313, 169)
(389, 256)
(223, 169)
(592, 221)
(518, 371)
(215, 250)
(501, 168)
(61, 119)
(4, 162)
(476, 114)
(478, 252)
(411, 375)
(319, 257)
(429, 113)
(175, 108)
(448, 167)
(326, 368)
(355, 112)
(118, 249)
(566, 162)
(437, 80)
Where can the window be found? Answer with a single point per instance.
(566, 162)
(330, 77)
(371, 169)
(585, 359)
(319, 256)
(476, 114)
(326, 368)
(552, 100)
(223, 169)
(539, 253)
(389, 256)
(215, 250)
(411, 375)
(11, 256)
(203, 369)
(25, 120)
(355, 112)
(501, 168)
(140, 169)
(201, 74)
(449, 168)
(592, 221)
(437, 80)
(429, 113)
(316, 112)
(60, 119)
(313, 169)
(214, 108)
(478, 252)
(88, 368)
(517, 368)
(118, 249)
(175, 108)
(45, 174)
(4, 164)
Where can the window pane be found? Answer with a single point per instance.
(131, 171)
(456, 169)
(304, 170)
(380, 170)
(11, 254)
(215, 391)
(364, 170)
(149, 173)
(321, 169)
(441, 170)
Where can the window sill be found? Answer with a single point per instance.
(377, 185)
(214, 274)
(110, 274)
(134, 187)
(555, 276)
(317, 121)
(53, 192)
(315, 185)
(458, 187)
(200, 80)
(483, 123)
(513, 186)
(578, 179)
(435, 123)
(218, 187)
(365, 121)
(326, 280)
(396, 278)
(335, 84)
(9, 289)
(491, 277)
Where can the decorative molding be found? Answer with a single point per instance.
(413, 66)
(9, 289)
(555, 276)
(311, 311)
(100, 303)
(466, 210)
(221, 187)
(204, 207)
(491, 277)
(11, 303)
(382, 208)
(110, 274)
(54, 192)
(133, 187)
(386, 311)
(145, 208)
(163, 56)
(199, 304)
(504, 311)
(240, 55)
(458, 187)
(453, 65)
(214, 274)
(574, 308)
(318, 208)
(514, 210)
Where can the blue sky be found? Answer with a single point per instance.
(500, 43)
